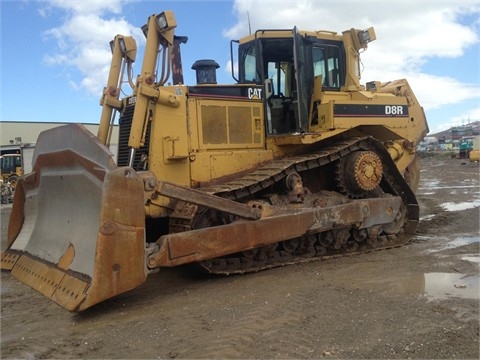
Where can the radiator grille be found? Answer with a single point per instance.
(125, 124)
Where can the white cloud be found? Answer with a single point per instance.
(83, 37)
(438, 91)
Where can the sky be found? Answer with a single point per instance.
(55, 54)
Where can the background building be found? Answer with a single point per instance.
(14, 133)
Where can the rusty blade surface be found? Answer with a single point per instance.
(76, 231)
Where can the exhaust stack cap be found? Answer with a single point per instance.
(206, 71)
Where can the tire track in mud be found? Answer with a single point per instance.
(277, 327)
(254, 326)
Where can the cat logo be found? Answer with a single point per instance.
(254, 93)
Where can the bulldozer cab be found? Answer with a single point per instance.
(287, 62)
(10, 164)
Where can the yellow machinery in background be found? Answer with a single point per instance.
(474, 154)
(10, 171)
(11, 168)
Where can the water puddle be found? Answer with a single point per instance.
(444, 243)
(435, 185)
(434, 286)
(430, 185)
(444, 285)
(474, 258)
(449, 206)
(460, 241)
(427, 217)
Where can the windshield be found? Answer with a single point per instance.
(9, 163)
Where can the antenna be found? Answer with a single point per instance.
(249, 27)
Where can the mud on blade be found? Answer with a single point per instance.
(76, 231)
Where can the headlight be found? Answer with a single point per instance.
(162, 21)
(123, 48)
(165, 21)
(366, 36)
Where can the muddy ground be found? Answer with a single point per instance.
(419, 301)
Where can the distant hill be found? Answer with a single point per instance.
(457, 132)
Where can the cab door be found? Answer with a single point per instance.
(302, 86)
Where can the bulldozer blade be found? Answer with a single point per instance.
(77, 227)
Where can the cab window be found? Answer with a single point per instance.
(250, 65)
(326, 62)
(280, 73)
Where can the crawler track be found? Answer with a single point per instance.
(259, 184)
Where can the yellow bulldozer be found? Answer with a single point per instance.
(11, 168)
(295, 161)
